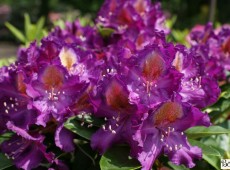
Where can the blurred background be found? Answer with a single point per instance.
(184, 13)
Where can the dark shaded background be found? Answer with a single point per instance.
(188, 12)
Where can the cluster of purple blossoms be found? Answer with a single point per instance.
(213, 46)
(147, 90)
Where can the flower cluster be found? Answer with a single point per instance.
(147, 90)
(213, 46)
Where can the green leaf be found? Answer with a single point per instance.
(27, 24)
(39, 28)
(7, 61)
(4, 162)
(170, 22)
(31, 33)
(106, 32)
(117, 158)
(77, 127)
(177, 167)
(207, 150)
(211, 155)
(17, 33)
(225, 94)
(201, 131)
(5, 136)
(90, 120)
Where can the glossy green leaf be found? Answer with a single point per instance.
(90, 120)
(18, 34)
(207, 150)
(117, 158)
(4, 162)
(177, 167)
(79, 128)
(211, 155)
(201, 131)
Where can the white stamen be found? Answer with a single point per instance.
(170, 148)
(110, 127)
(176, 148)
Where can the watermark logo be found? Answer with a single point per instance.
(225, 164)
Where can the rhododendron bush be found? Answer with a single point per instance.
(118, 95)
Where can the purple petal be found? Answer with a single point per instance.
(64, 139)
(186, 156)
(151, 147)
(26, 154)
(191, 117)
(102, 140)
(21, 132)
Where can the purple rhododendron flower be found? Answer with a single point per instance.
(26, 151)
(14, 100)
(75, 33)
(112, 103)
(130, 15)
(64, 138)
(54, 92)
(153, 77)
(213, 47)
(163, 131)
(197, 87)
(122, 70)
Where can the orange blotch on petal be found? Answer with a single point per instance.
(20, 83)
(117, 97)
(68, 57)
(82, 103)
(69, 40)
(226, 46)
(124, 18)
(79, 33)
(140, 41)
(140, 6)
(206, 36)
(167, 113)
(153, 67)
(112, 5)
(52, 77)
